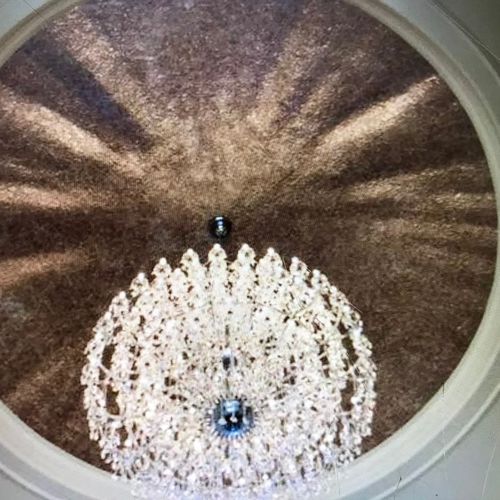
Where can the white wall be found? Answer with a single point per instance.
(481, 18)
(471, 471)
(10, 490)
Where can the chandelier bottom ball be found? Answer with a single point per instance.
(232, 418)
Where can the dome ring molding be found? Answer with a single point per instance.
(44, 471)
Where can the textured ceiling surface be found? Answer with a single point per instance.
(125, 125)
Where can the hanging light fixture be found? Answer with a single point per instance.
(229, 380)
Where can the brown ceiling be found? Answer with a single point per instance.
(125, 125)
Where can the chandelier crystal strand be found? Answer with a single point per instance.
(225, 380)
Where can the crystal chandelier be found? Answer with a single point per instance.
(229, 380)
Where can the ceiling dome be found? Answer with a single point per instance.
(127, 125)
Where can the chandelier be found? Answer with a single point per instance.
(229, 379)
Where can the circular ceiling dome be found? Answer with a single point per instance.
(126, 126)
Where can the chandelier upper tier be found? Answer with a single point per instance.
(229, 379)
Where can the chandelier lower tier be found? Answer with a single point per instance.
(229, 380)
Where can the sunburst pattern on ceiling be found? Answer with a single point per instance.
(124, 126)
